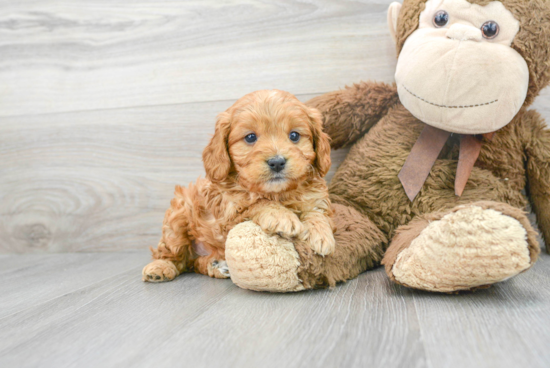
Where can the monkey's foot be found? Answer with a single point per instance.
(261, 262)
(470, 247)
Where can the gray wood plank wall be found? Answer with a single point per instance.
(106, 105)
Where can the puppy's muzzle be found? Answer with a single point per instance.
(276, 164)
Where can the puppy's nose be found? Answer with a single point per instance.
(276, 163)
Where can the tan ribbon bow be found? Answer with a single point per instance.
(425, 152)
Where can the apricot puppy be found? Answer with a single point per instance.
(265, 163)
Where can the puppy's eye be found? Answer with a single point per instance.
(251, 138)
(490, 29)
(441, 19)
(294, 136)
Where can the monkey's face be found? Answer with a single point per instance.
(458, 72)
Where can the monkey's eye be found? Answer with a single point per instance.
(251, 138)
(441, 19)
(490, 29)
(294, 136)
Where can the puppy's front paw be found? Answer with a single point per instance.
(159, 271)
(218, 269)
(285, 224)
(320, 238)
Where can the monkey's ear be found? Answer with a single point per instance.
(215, 156)
(321, 142)
(393, 15)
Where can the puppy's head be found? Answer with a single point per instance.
(268, 141)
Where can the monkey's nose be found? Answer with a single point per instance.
(277, 163)
(461, 32)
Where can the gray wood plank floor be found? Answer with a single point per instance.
(92, 310)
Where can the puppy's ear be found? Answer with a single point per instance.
(321, 142)
(216, 155)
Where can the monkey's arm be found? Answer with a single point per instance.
(537, 150)
(351, 112)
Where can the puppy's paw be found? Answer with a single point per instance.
(320, 238)
(284, 224)
(159, 271)
(218, 269)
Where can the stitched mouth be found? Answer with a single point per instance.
(450, 107)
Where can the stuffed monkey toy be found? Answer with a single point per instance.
(432, 185)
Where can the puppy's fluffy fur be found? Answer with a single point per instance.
(240, 185)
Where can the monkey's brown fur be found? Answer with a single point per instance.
(370, 117)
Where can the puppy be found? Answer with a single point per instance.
(265, 163)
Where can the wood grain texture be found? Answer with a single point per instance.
(102, 315)
(51, 276)
(67, 55)
(99, 180)
(121, 321)
(505, 326)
